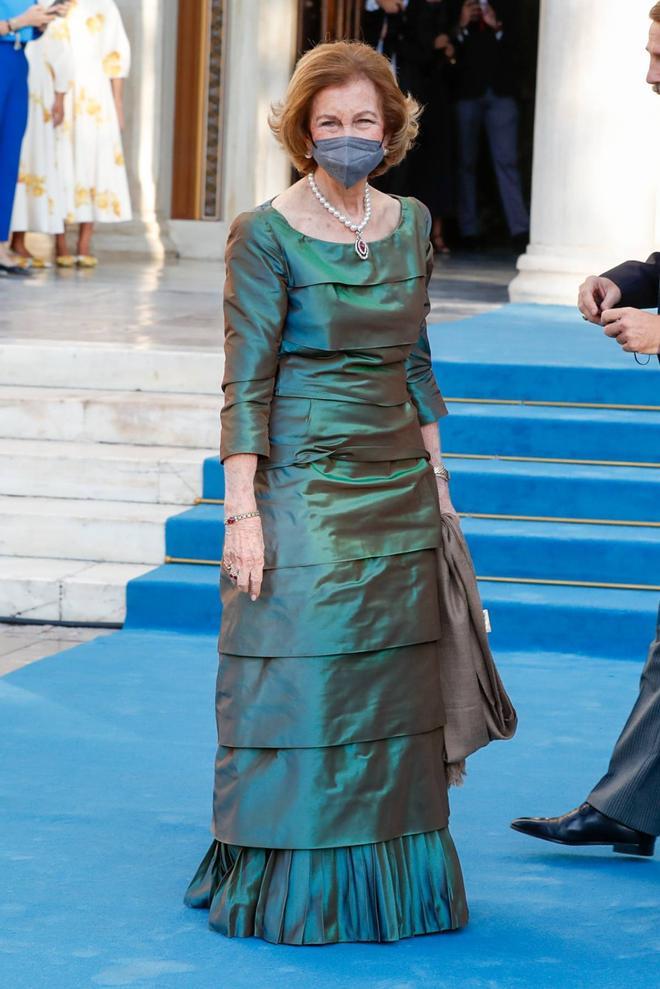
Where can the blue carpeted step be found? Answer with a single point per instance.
(557, 551)
(525, 618)
(501, 548)
(196, 534)
(178, 597)
(538, 353)
(556, 490)
(548, 431)
(528, 488)
(586, 621)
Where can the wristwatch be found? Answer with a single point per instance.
(442, 472)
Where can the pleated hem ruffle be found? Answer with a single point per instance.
(383, 891)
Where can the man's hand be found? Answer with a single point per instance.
(470, 11)
(633, 329)
(597, 294)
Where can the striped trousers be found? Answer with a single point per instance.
(630, 790)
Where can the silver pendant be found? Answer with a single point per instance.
(361, 247)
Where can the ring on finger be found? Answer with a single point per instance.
(229, 569)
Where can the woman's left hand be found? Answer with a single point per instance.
(446, 506)
(58, 109)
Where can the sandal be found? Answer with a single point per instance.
(86, 261)
(65, 261)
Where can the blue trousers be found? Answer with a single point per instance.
(13, 121)
(499, 115)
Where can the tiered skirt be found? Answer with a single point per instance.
(330, 806)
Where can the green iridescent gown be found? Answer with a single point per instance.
(330, 804)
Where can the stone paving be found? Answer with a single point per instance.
(176, 304)
(25, 643)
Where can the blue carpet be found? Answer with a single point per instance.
(105, 790)
(107, 772)
(538, 353)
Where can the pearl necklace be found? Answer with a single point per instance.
(361, 246)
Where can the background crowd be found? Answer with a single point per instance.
(62, 67)
(467, 62)
(470, 63)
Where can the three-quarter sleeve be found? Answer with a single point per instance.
(422, 386)
(255, 305)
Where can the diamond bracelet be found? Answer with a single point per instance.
(237, 518)
(442, 472)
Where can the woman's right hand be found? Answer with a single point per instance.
(243, 553)
(35, 16)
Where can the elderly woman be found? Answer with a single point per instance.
(330, 803)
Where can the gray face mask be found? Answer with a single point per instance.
(348, 159)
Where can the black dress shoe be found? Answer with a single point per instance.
(587, 826)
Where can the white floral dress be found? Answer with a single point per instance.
(39, 203)
(90, 152)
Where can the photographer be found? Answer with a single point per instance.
(486, 90)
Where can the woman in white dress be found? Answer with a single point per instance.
(39, 202)
(96, 186)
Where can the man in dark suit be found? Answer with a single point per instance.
(623, 809)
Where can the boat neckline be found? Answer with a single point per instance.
(340, 243)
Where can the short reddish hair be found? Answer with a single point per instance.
(334, 63)
(655, 13)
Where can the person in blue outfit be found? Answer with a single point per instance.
(18, 26)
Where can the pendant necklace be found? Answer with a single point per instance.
(361, 246)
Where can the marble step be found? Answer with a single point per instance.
(65, 590)
(103, 471)
(106, 416)
(70, 529)
(50, 364)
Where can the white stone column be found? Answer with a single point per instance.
(595, 190)
(149, 105)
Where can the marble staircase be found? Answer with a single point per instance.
(99, 445)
